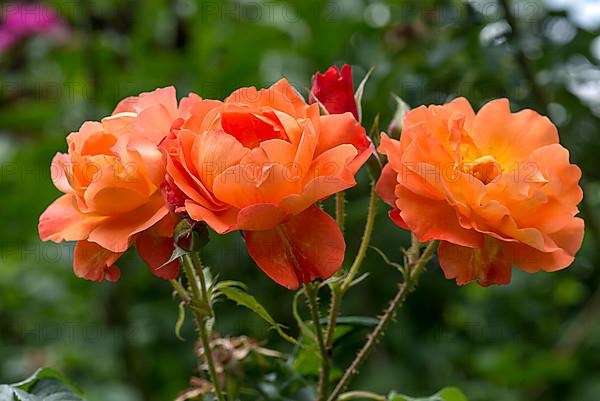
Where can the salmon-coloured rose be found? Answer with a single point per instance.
(258, 162)
(335, 90)
(111, 179)
(496, 188)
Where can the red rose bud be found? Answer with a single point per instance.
(334, 90)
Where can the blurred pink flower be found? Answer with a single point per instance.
(22, 20)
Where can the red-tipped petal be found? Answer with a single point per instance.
(304, 247)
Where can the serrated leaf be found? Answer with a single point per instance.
(246, 300)
(44, 385)
(45, 373)
(20, 395)
(446, 394)
(53, 390)
(348, 325)
(359, 92)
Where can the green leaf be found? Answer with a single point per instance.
(348, 325)
(446, 394)
(44, 385)
(307, 363)
(53, 390)
(246, 300)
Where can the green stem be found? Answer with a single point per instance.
(334, 310)
(405, 288)
(313, 304)
(180, 291)
(338, 290)
(364, 245)
(340, 209)
(197, 265)
(192, 279)
(191, 264)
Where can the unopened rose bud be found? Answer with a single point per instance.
(335, 90)
(190, 235)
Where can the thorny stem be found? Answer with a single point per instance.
(313, 305)
(191, 265)
(413, 273)
(334, 310)
(197, 265)
(185, 297)
(364, 244)
(338, 290)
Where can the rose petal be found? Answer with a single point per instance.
(94, 263)
(303, 248)
(155, 251)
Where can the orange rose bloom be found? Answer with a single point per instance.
(258, 162)
(111, 178)
(495, 188)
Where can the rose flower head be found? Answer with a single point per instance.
(335, 90)
(495, 188)
(111, 179)
(258, 162)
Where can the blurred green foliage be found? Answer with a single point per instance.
(537, 339)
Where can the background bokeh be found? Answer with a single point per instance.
(536, 339)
